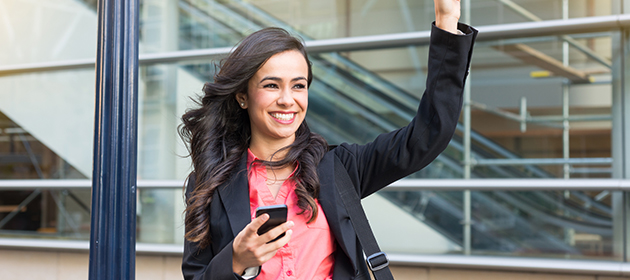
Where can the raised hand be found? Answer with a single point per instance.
(447, 14)
(252, 250)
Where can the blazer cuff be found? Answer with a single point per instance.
(462, 29)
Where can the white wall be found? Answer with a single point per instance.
(397, 231)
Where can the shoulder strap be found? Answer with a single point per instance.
(377, 260)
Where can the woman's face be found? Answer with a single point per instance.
(277, 98)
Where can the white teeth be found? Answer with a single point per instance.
(284, 117)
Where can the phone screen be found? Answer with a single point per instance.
(277, 216)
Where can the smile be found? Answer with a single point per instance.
(283, 117)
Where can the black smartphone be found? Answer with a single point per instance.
(277, 216)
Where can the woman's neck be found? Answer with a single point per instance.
(266, 149)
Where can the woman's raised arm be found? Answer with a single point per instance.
(392, 156)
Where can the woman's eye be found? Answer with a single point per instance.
(270, 86)
(299, 86)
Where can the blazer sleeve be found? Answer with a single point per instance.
(204, 264)
(392, 156)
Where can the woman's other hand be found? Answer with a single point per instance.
(447, 14)
(252, 250)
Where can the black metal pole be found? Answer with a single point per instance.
(113, 223)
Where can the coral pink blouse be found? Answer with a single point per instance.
(310, 253)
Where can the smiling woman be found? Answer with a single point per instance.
(250, 146)
(256, 106)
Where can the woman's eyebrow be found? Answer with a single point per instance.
(278, 79)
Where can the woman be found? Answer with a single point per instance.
(251, 147)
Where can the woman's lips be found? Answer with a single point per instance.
(284, 118)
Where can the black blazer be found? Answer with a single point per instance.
(372, 166)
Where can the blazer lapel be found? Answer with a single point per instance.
(235, 198)
(333, 207)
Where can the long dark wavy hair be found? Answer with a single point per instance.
(217, 133)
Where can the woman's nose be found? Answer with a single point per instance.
(286, 97)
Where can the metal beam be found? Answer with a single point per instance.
(590, 53)
(553, 27)
(404, 184)
(47, 66)
(19, 208)
(543, 161)
(509, 185)
(537, 265)
(486, 33)
(532, 56)
(620, 132)
(73, 184)
(113, 222)
(80, 245)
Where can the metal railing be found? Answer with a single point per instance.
(577, 267)
(404, 184)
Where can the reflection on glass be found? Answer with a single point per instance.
(46, 134)
(160, 216)
(52, 214)
(193, 24)
(36, 32)
(563, 224)
(65, 214)
(515, 80)
(190, 24)
(23, 156)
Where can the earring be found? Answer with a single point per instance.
(242, 104)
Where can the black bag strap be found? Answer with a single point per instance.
(377, 260)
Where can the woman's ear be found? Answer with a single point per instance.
(241, 98)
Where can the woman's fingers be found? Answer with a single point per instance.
(447, 14)
(276, 245)
(250, 249)
(253, 227)
(277, 231)
(447, 7)
(246, 246)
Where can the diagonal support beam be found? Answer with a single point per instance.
(588, 52)
(531, 56)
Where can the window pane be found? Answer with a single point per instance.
(547, 224)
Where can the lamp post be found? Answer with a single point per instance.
(113, 221)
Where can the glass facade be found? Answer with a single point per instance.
(541, 108)
(550, 224)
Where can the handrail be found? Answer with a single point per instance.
(486, 33)
(404, 184)
(81, 184)
(28, 184)
(564, 266)
(542, 161)
(510, 184)
(83, 245)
